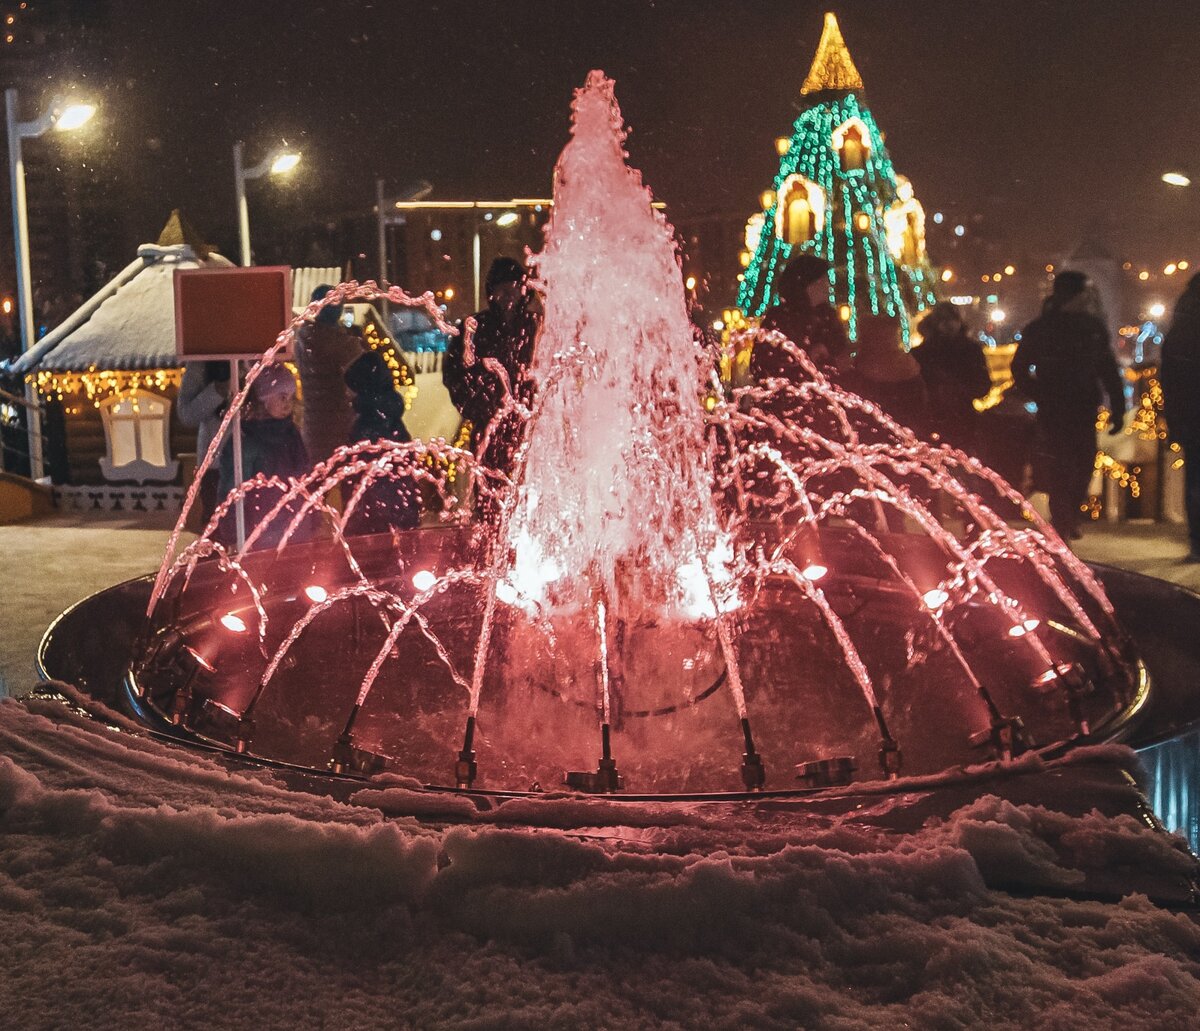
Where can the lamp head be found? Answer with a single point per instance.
(284, 162)
(67, 117)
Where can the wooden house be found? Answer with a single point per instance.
(108, 376)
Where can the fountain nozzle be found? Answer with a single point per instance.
(890, 758)
(607, 777)
(754, 774)
(1007, 737)
(465, 768)
(245, 733)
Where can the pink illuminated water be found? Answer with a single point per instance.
(786, 557)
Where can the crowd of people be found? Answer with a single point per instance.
(1064, 364)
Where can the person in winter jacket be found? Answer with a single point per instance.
(272, 446)
(1065, 365)
(390, 502)
(506, 332)
(955, 374)
(805, 316)
(324, 349)
(201, 403)
(1180, 377)
(884, 373)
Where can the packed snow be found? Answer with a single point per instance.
(141, 884)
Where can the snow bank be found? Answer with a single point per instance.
(140, 885)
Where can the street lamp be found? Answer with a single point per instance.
(279, 162)
(62, 117)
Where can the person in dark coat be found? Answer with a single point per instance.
(201, 403)
(1180, 378)
(506, 330)
(324, 349)
(272, 446)
(389, 502)
(1065, 365)
(805, 316)
(885, 374)
(955, 374)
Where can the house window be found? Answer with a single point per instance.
(852, 141)
(801, 211)
(137, 428)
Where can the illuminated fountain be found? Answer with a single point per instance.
(714, 592)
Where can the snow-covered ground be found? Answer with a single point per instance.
(143, 886)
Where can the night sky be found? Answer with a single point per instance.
(1048, 118)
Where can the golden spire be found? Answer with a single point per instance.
(832, 68)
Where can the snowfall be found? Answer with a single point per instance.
(143, 885)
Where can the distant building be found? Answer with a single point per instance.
(433, 246)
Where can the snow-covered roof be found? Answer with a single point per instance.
(128, 324)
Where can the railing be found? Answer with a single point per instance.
(18, 432)
(424, 361)
(1173, 770)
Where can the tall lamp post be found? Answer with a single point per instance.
(63, 117)
(279, 162)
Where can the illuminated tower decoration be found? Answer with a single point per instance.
(837, 196)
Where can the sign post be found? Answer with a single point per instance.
(233, 315)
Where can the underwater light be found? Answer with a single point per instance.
(1021, 629)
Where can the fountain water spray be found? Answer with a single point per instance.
(658, 536)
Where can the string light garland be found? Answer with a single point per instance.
(402, 379)
(97, 385)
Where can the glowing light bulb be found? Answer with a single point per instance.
(423, 579)
(509, 218)
(1176, 179)
(947, 275)
(1157, 310)
(316, 593)
(998, 315)
(284, 163)
(935, 598)
(233, 622)
(74, 116)
(814, 571)
(1143, 275)
(690, 283)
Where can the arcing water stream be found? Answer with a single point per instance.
(662, 572)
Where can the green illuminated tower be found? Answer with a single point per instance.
(837, 196)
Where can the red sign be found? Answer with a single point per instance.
(231, 312)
